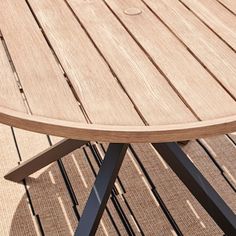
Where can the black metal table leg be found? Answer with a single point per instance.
(101, 190)
(199, 186)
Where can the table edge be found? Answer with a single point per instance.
(117, 134)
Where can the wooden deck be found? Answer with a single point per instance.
(148, 198)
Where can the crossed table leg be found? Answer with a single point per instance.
(171, 153)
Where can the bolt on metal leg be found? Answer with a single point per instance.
(101, 190)
(198, 186)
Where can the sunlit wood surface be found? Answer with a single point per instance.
(119, 70)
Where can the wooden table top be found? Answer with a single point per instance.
(119, 70)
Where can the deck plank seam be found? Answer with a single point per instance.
(133, 215)
(162, 204)
(114, 194)
(205, 23)
(222, 172)
(27, 193)
(114, 200)
(67, 183)
(214, 77)
(28, 109)
(231, 140)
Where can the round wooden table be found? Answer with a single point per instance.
(120, 72)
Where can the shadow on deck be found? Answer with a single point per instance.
(148, 198)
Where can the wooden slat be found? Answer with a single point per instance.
(175, 61)
(15, 208)
(49, 196)
(46, 90)
(149, 90)
(82, 179)
(217, 17)
(223, 152)
(210, 171)
(136, 189)
(231, 5)
(102, 97)
(208, 47)
(185, 73)
(41, 194)
(16, 216)
(131, 218)
(189, 215)
(10, 95)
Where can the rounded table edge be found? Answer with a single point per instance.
(118, 134)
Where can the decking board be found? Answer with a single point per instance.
(82, 183)
(14, 206)
(175, 194)
(47, 190)
(136, 194)
(223, 152)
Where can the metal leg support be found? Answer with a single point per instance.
(101, 190)
(199, 186)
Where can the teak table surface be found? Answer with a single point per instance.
(119, 70)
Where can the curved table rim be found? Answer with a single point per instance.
(117, 134)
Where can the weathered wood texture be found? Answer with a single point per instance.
(163, 63)
(119, 70)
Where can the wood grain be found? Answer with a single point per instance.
(46, 90)
(208, 47)
(140, 78)
(231, 5)
(219, 19)
(10, 94)
(102, 97)
(143, 54)
(190, 79)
